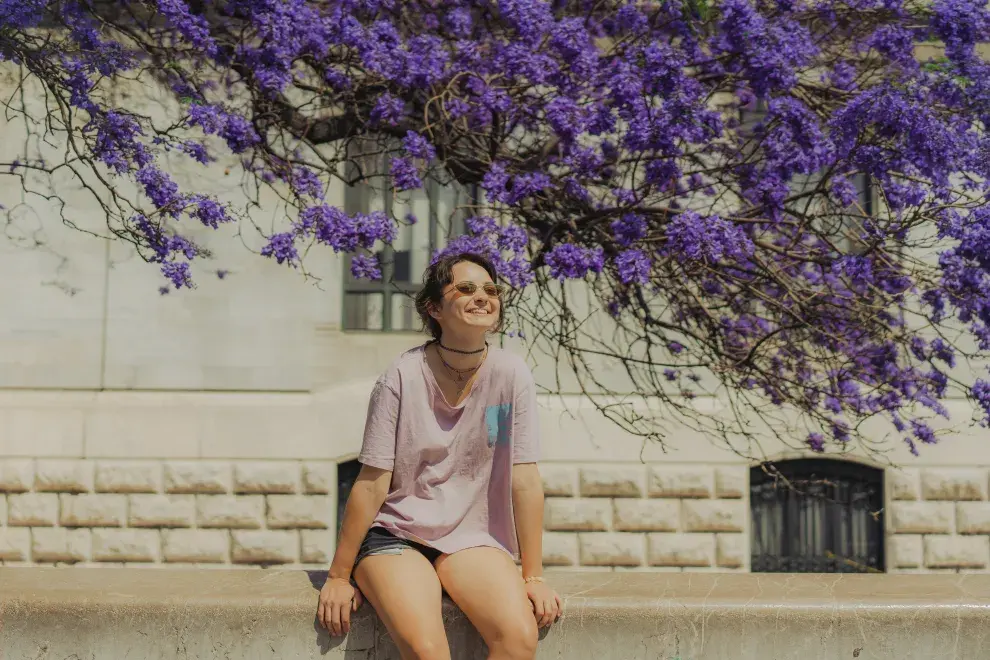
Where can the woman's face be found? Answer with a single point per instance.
(463, 310)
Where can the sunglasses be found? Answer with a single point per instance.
(491, 289)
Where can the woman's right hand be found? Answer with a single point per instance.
(338, 598)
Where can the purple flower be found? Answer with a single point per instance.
(405, 176)
(816, 441)
(505, 246)
(21, 14)
(178, 273)
(568, 261)
(767, 53)
(633, 266)
(709, 239)
(196, 151)
(565, 117)
(528, 184)
(116, 141)
(345, 233)
(495, 182)
(283, 248)
(840, 431)
(365, 267)
(981, 393)
(192, 27)
(159, 187)
(923, 432)
(944, 352)
(628, 229)
(512, 238)
(210, 212)
(235, 130)
(459, 21)
(843, 75)
(388, 110)
(418, 147)
(306, 182)
(960, 24)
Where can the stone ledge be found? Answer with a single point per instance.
(157, 613)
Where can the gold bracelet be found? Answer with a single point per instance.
(533, 578)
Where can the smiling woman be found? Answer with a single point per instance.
(449, 492)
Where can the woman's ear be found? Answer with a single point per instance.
(433, 310)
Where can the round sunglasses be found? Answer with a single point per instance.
(491, 289)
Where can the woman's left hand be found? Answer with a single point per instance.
(547, 606)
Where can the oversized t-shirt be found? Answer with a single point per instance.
(451, 465)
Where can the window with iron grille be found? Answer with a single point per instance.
(427, 218)
(817, 516)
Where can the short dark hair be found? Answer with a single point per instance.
(437, 277)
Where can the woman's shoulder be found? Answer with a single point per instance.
(509, 365)
(400, 366)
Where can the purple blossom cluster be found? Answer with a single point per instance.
(591, 131)
(569, 261)
(505, 245)
(235, 130)
(711, 239)
(21, 14)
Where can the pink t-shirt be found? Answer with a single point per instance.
(451, 466)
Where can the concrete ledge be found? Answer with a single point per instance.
(170, 613)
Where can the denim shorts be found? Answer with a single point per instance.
(380, 541)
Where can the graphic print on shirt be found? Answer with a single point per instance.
(498, 419)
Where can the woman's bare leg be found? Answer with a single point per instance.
(405, 592)
(486, 585)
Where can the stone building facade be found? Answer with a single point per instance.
(599, 515)
(207, 427)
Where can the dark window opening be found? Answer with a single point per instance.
(817, 516)
(346, 476)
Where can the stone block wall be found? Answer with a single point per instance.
(668, 517)
(620, 516)
(250, 513)
(938, 519)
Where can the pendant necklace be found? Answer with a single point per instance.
(461, 376)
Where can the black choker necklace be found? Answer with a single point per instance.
(455, 350)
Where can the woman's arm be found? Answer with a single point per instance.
(366, 498)
(338, 597)
(527, 505)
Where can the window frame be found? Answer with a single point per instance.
(357, 199)
(852, 479)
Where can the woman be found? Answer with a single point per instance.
(449, 491)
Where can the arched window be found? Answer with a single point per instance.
(816, 516)
(346, 476)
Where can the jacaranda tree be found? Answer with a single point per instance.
(699, 165)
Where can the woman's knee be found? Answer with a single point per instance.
(515, 639)
(424, 647)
